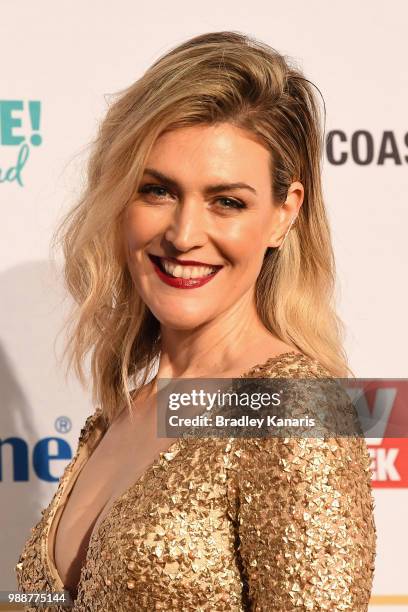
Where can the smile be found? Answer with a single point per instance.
(183, 274)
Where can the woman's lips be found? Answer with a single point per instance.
(181, 283)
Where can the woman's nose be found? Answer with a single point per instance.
(187, 226)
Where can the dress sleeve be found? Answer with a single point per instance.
(305, 523)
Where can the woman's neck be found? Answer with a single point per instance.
(218, 348)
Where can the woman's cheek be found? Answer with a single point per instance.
(242, 243)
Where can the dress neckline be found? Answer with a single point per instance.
(83, 454)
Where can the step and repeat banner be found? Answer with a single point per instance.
(61, 61)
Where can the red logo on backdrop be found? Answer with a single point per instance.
(382, 405)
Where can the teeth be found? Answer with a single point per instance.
(186, 271)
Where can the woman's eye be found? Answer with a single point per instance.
(230, 203)
(156, 190)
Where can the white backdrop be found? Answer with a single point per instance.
(68, 56)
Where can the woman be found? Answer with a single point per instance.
(201, 247)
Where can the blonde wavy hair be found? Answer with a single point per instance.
(211, 78)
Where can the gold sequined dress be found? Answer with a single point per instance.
(238, 524)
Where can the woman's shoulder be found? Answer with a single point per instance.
(309, 394)
(291, 364)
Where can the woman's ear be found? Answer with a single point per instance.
(287, 214)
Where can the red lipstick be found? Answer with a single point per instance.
(181, 283)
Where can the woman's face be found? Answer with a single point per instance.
(197, 230)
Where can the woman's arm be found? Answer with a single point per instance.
(305, 523)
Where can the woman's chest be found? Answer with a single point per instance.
(170, 537)
(117, 463)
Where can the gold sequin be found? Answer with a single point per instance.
(244, 524)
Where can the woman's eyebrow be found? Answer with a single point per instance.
(209, 190)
